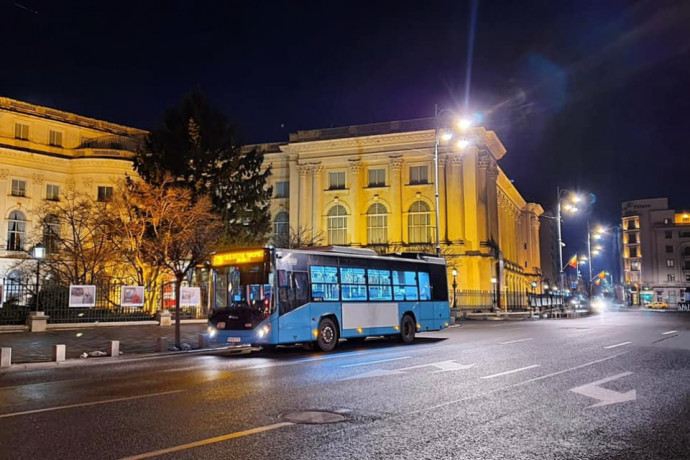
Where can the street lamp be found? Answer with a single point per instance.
(38, 253)
(454, 272)
(571, 207)
(447, 135)
(596, 234)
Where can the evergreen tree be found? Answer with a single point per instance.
(198, 146)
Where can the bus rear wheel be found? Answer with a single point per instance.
(407, 329)
(328, 335)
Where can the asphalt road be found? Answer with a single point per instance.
(613, 386)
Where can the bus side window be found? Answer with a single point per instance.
(300, 288)
(424, 286)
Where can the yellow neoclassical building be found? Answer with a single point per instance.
(42, 152)
(373, 186)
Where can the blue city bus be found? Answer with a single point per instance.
(270, 296)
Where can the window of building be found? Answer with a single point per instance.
(377, 177)
(377, 224)
(21, 131)
(336, 180)
(668, 234)
(671, 277)
(671, 296)
(419, 223)
(687, 278)
(669, 249)
(13, 285)
(635, 266)
(632, 238)
(105, 193)
(324, 283)
(281, 228)
(419, 175)
(18, 187)
(354, 284)
(337, 225)
(51, 233)
(282, 189)
(405, 285)
(379, 284)
(632, 252)
(55, 138)
(16, 231)
(667, 221)
(52, 192)
(670, 262)
(684, 234)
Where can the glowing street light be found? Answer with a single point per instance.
(566, 200)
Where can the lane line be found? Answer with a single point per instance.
(668, 332)
(205, 442)
(516, 341)
(94, 403)
(375, 362)
(525, 382)
(617, 345)
(510, 372)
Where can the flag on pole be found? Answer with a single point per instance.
(602, 275)
(573, 261)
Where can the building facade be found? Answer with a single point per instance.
(656, 251)
(43, 152)
(373, 186)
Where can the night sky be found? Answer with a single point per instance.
(589, 95)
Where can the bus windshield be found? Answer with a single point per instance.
(243, 286)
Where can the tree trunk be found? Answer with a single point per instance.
(178, 311)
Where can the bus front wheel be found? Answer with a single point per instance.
(407, 329)
(328, 335)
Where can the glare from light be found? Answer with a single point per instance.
(462, 143)
(212, 331)
(447, 136)
(575, 199)
(494, 280)
(597, 236)
(454, 272)
(595, 252)
(464, 123)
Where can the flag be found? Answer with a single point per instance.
(602, 275)
(573, 261)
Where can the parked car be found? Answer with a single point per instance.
(659, 305)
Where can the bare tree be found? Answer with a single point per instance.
(299, 238)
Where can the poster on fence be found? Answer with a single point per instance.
(190, 296)
(82, 296)
(132, 296)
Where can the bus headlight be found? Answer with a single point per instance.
(264, 331)
(212, 331)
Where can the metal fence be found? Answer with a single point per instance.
(486, 300)
(21, 299)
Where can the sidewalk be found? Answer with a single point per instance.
(28, 347)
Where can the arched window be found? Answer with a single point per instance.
(13, 285)
(51, 233)
(281, 226)
(377, 224)
(419, 223)
(16, 231)
(337, 225)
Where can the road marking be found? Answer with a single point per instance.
(668, 332)
(511, 372)
(516, 341)
(617, 345)
(375, 362)
(442, 366)
(604, 395)
(303, 360)
(94, 403)
(205, 442)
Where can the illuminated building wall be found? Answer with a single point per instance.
(44, 151)
(373, 186)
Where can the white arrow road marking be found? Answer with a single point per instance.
(516, 341)
(442, 366)
(604, 395)
(374, 373)
(510, 372)
(375, 362)
(618, 345)
(668, 332)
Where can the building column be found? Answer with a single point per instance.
(535, 253)
(443, 199)
(483, 225)
(492, 201)
(355, 168)
(304, 198)
(455, 200)
(294, 201)
(396, 211)
(317, 200)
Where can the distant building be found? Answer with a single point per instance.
(656, 251)
(373, 186)
(43, 151)
(548, 247)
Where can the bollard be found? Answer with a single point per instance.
(5, 357)
(203, 340)
(59, 352)
(114, 348)
(161, 344)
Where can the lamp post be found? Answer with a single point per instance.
(463, 124)
(454, 272)
(596, 235)
(494, 281)
(571, 206)
(38, 253)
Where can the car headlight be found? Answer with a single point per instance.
(264, 331)
(212, 331)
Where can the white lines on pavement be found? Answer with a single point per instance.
(376, 362)
(617, 345)
(94, 403)
(668, 332)
(205, 442)
(516, 341)
(510, 372)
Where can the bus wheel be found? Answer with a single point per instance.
(407, 329)
(328, 335)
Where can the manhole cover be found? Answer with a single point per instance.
(312, 417)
